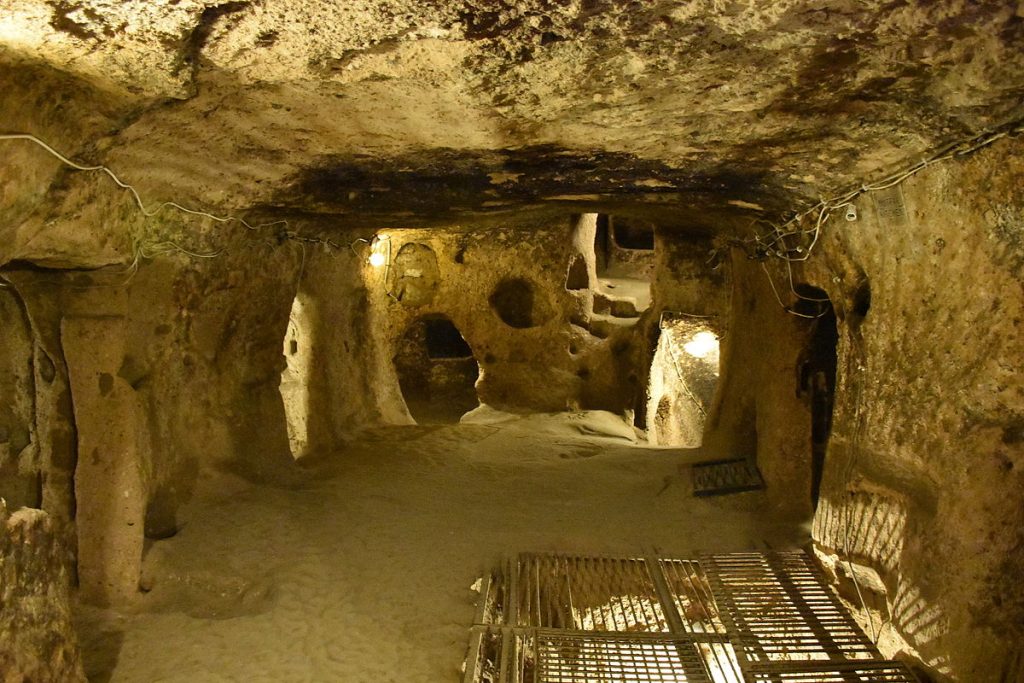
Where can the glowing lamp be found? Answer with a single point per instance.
(702, 345)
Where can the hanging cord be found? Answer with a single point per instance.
(847, 477)
(146, 251)
(148, 213)
(778, 242)
(777, 246)
(789, 309)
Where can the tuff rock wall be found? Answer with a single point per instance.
(37, 638)
(924, 477)
(518, 296)
(141, 377)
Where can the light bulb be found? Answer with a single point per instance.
(702, 345)
(377, 259)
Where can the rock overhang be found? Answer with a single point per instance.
(384, 112)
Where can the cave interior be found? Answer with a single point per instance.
(314, 313)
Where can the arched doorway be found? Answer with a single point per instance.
(818, 373)
(294, 386)
(436, 370)
(682, 381)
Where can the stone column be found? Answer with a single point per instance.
(109, 489)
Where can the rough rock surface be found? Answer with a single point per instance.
(186, 374)
(478, 128)
(400, 110)
(539, 343)
(923, 481)
(37, 640)
(19, 463)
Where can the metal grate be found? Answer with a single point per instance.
(691, 595)
(611, 658)
(726, 476)
(588, 594)
(891, 207)
(496, 596)
(483, 665)
(779, 610)
(738, 618)
(857, 672)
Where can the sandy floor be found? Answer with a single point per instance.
(363, 572)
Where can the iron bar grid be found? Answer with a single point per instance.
(589, 594)
(612, 658)
(496, 596)
(691, 595)
(782, 611)
(861, 671)
(484, 662)
(725, 476)
(738, 618)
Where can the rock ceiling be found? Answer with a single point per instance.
(403, 110)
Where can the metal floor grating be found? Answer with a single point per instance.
(739, 618)
(722, 477)
(608, 658)
(876, 671)
(780, 610)
(588, 594)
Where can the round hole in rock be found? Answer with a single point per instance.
(515, 301)
(437, 372)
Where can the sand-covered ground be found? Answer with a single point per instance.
(362, 570)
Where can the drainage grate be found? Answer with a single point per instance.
(738, 618)
(691, 594)
(720, 477)
(856, 672)
(588, 594)
(611, 658)
(777, 609)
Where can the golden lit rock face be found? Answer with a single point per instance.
(485, 129)
(37, 641)
(464, 107)
(926, 451)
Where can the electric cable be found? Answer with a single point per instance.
(148, 213)
(775, 243)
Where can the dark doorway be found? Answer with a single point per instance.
(633, 234)
(601, 238)
(437, 372)
(818, 374)
(444, 340)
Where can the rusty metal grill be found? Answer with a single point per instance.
(610, 658)
(858, 672)
(485, 661)
(722, 477)
(780, 610)
(738, 618)
(691, 596)
(588, 594)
